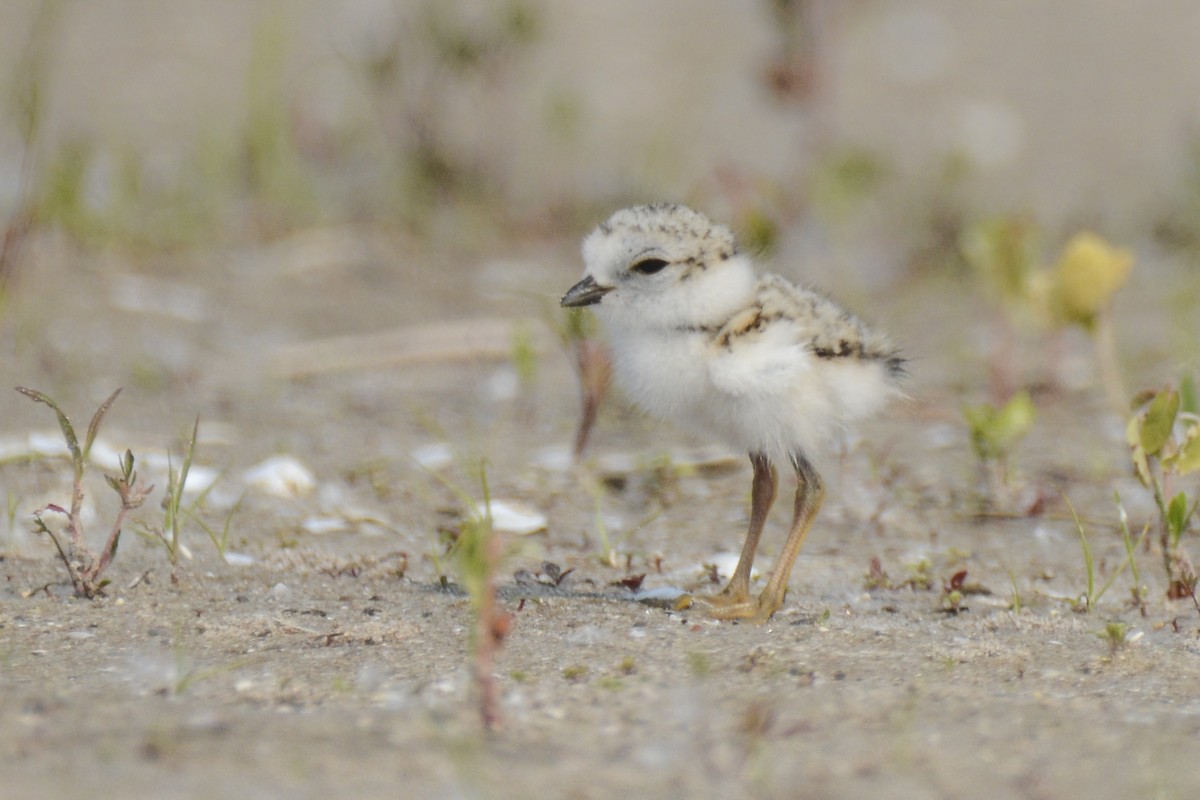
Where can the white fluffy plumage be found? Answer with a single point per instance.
(698, 338)
(770, 367)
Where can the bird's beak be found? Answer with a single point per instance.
(585, 293)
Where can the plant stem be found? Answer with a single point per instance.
(1105, 339)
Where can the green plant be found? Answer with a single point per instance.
(1115, 634)
(1164, 441)
(477, 552)
(220, 541)
(172, 509)
(1091, 597)
(84, 567)
(995, 431)
(1076, 290)
(436, 58)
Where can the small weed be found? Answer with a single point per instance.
(83, 566)
(954, 592)
(1164, 440)
(1088, 600)
(172, 504)
(477, 553)
(995, 431)
(1115, 634)
(1016, 605)
(575, 673)
(1076, 290)
(220, 540)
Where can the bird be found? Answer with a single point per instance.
(774, 369)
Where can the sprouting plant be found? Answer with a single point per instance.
(1091, 597)
(1115, 633)
(1164, 439)
(172, 504)
(995, 431)
(220, 540)
(84, 567)
(1016, 604)
(1077, 290)
(478, 552)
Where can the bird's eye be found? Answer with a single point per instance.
(649, 266)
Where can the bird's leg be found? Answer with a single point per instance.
(762, 495)
(809, 494)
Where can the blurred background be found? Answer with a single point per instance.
(166, 125)
(407, 160)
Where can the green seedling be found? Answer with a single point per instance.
(220, 540)
(84, 567)
(172, 505)
(478, 552)
(1076, 290)
(1164, 441)
(996, 431)
(1115, 633)
(1139, 592)
(524, 355)
(1092, 596)
(1003, 253)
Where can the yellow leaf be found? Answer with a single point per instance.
(1187, 459)
(1159, 421)
(1087, 275)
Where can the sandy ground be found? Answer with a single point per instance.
(330, 660)
(327, 657)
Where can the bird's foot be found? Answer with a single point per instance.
(732, 607)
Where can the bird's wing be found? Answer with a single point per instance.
(759, 352)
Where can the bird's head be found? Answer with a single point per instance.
(662, 265)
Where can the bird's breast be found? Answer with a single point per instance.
(663, 372)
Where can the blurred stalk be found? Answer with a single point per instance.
(27, 104)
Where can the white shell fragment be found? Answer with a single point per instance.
(319, 526)
(35, 444)
(725, 563)
(511, 516)
(433, 456)
(662, 594)
(281, 476)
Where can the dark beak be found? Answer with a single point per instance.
(585, 293)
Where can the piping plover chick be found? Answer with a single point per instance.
(698, 338)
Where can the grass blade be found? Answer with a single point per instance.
(1088, 562)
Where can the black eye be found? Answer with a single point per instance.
(649, 266)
